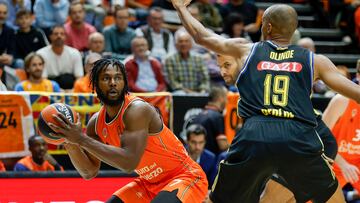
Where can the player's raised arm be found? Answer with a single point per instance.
(232, 47)
(326, 71)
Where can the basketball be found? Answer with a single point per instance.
(46, 116)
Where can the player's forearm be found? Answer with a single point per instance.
(84, 164)
(115, 156)
(194, 27)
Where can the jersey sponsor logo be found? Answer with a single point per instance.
(149, 172)
(348, 147)
(285, 66)
(277, 113)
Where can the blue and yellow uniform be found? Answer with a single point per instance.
(278, 135)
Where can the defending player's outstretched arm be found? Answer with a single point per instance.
(233, 47)
(326, 71)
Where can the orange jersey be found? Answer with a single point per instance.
(347, 134)
(164, 153)
(164, 157)
(27, 164)
(82, 85)
(12, 110)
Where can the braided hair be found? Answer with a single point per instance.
(101, 65)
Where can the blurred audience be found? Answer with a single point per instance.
(39, 160)
(50, 13)
(160, 40)
(7, 50)
(186, 71)
(209, 15)
(118, 36)
(212, 119)
(82, 85)
(235, 27)
(144, 73)
(34, 67)
(77, 30)
(28, 38)
(63, 64)
(14, 7)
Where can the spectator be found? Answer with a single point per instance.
(209, 15)
(82, 85)
(252, 15)
(95, 13)
(34, 66)
(171, 19)
(39, 160)
(185, 70)
(160, 40)
(118, 36)
(96, 44)
(77, 30)
(14, 6)
(50, 13)
(28, 38)
(235, 27)
(7, 50)
(62, 63)
(213, 120)
(196, 140)
(144, 73)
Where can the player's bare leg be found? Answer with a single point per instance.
(275, 192)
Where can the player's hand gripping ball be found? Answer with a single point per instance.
(46, 116)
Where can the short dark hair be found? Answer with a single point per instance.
(119, 8)
(56, 26)
(74, 3)
(216, 92)
(22, 12)
(196, 129)
(101, 65)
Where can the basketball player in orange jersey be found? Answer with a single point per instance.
(343, 117)
(129, 134)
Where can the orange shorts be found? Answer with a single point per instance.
(192, 187)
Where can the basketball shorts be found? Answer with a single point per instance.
(266, 145)
(191, 185)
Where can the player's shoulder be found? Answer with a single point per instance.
(91, 126)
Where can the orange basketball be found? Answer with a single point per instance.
(46, 116)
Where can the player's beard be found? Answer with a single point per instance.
(110, 102)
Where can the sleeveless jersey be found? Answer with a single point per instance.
(164, 154)
(276, 81)
(347, 134)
